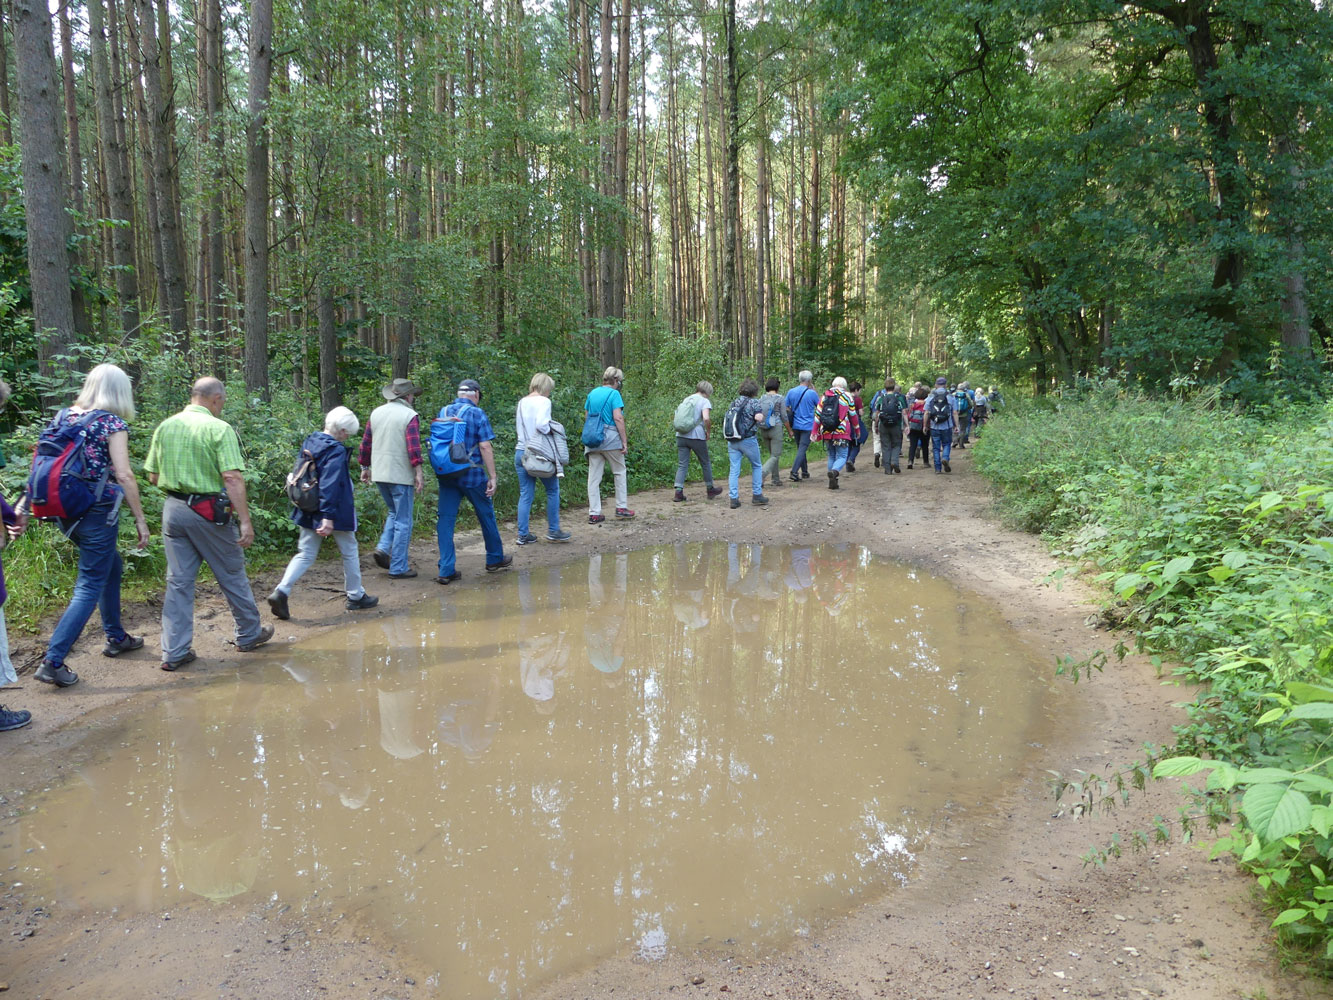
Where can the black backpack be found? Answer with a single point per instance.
(303, 483)
(890, 410)
(829, 417)
(939, 409)
(738, 422)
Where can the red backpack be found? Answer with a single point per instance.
(59, 486)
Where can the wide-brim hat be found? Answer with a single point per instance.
(399, 388)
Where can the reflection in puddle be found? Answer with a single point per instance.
(619, 757)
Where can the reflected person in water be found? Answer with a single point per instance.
(604, 631)
(543, 657)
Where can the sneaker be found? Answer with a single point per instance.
(409, 575)
(130, 642)
(759, 500)
(277, 603)
(265, 634)
(362, 602)
(57, 674)
(679, 497)
(898, 470)
(735, 503)
(453, 577)
(715, 491)
(796, 480)
(596, 518)
(624, 513)
(559, 535)
(381, 558)
(504, 563)
(527, 539)
(946, 466)
(13, 720)
(188, 658)
(909, 465)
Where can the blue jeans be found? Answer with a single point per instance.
(942, 439)
(451, 498)
(745, 448)
(837, 454)
(800, 466)
(397, 533)
(527, 491)
(98, 582)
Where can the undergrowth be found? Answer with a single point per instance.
(1212, 532)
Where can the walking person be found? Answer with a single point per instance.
(694, 440)
(887, 411)
(336, 516)
(800, 403)
(980, 410)
(837, 425)
(739, 428)
(918, 434)
(772, 429)
(532, 418)
(9, 527)
(195, 457)
(962, 404)
(390, 457)
(476, 484)
(101, 412)
(608, 406)
(855, 446)
(942, 420)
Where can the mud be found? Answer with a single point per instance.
(998, 903)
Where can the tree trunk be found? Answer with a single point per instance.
(402, 353)
(6, 130)
(257, 198)
(761, 218)
(44, 183)
(731, 209)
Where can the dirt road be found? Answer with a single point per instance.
(1000, 904)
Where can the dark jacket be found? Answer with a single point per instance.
(6, 519)
(336, 501)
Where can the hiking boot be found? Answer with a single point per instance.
(851, 466)
(759, 500)
(624, 512)
(527, 539)
(381, 558)
(679, 497)
(796, 480)
(715, 491)
(265, 634)
(946, 466)
(776, 483)
(910, 466)
(504, 563)
(188, 657)
(877, 461)
(805, 475)
(409, 575)
(57, 674)
(559, 535)
(361, 603)
(735, 502)
(277, 603)
(833, 480)
(13, 720)
(130, 642)
(898, 470)
(453, 577)
(596, 518)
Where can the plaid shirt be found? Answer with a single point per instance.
(413, 444)
(477, 430)
(191, 450)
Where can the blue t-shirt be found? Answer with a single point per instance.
(604, 400)
(801, 400)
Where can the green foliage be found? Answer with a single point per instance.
(1211, 530)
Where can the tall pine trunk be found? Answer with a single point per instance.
(257, 198)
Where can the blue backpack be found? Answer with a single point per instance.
(59, 486)
(449, 454)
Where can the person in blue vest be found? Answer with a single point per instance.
(801, 400)
(476, 484)
(963, 399)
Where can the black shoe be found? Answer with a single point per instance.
(805, 475)
(851, 466)
(795, 480)
(759, 500)
(265, 634)
(877, 461)
(188, 658)
(946, 466)
(277, 603)
(451, 578)
(130, 642)
(409, 575)
(527, 539)
(381, 558)
(57, 674)
(833, 480)
(909, 465)
(897, 470)
(362, 602)
(504, 563)
(13, 720)
(735, 503)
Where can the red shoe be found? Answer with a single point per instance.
(624, 512)
(595, 518)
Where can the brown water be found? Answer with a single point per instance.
(623, 756)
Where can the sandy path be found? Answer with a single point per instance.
(1000, 903)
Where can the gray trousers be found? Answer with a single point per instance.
(699, 446)
(770, 440)
(189, 540)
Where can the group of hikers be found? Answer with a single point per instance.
(82, 477)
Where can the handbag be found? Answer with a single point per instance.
(538, 465)
(594, 429)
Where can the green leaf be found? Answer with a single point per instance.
(1321, 819)
(1313, 710)
(1235, 560)
(1221, 574)
(1276, 811)
(1300, 691)
(1263, 775)
(1178, 767)
(1129, 583)
(1173, 570)
(1289, 917)
(1270, 500)
(1270, 715)
(1223, 778)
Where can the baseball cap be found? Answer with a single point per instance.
(469, 385)
(941, 381)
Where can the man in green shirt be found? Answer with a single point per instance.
(195, 457)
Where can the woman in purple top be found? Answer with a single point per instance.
(8, 520)
(107, 396)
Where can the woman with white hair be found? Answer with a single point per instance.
(330, 461)
(102, 411)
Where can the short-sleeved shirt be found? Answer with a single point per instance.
(703, 407)
(801, 400)
(604, 400)
(750, 413)
(190, 451)
(476, 429)
(96, 448)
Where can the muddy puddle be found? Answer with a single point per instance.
(687, 745)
